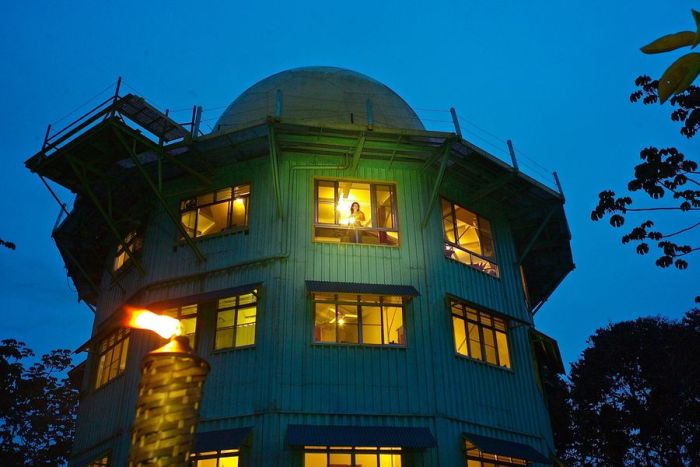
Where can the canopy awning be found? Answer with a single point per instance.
(381, 436)
(220, 440)
(507, 448)
(358, 288)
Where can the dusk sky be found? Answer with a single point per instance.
(554, 77)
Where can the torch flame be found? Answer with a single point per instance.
(165, 326)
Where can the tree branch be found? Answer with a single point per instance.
(660, 209)
(681, 231)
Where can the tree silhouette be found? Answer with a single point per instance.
(37, 407)
(664, 173)
(634, 396)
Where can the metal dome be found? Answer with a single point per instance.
(320, 96)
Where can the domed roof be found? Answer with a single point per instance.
(320, 96)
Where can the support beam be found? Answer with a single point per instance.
(275, 169)
(55, 196)
(357, 153)
(487, 189)
(104, 213)
(438, 181)
(77, 264)
(206, 181)
(159, 196)
(537, 234)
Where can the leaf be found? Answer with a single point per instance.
(670, 42)
(696, 16)
(679, 75)
(617, 220)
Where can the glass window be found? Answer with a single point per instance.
(480, 335)
(359, 319)
(187, 315)
(355, 212)
(468, 238)
(336, 456)
(133, 242)
(236, 321)
(111, 356)
(479, 458)
(101, 461)
(223, 458)
(212, 213)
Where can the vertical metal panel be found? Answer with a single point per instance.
(286, 378)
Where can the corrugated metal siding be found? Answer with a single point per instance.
(286, 378)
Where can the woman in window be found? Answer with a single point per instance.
(357, 219)
(356, 215)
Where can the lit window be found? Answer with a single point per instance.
(133, 243)
(355, 212)
(101, 461)
(224, 458)
(188, 319)
(359, 319)
(333, 456)
(212, 213)
(479, 335)
(479, 458)
(236, 320)
(112, 356)
(468, 238)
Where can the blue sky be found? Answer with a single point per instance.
(554, 77)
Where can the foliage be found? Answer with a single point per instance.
(7, 244)
(681, 74)
(663, 173)
(37, 407)
(634, 396)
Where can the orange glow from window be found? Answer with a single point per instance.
(165, 326)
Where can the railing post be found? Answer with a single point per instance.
(455, 121)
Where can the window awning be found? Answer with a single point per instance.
(357, 288)
(547, 351)
(507, 448)
(117, 318)
(386, 436)
(204, 297)
(220, 440)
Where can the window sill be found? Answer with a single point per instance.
(232, 349)
(116, 378)
(472, 268)
(115, 276)
(361, 346)
(224, 233)
(484, 363)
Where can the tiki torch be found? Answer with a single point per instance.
(170, 391)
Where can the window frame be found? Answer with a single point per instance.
(479, 311)
(218, 454)
(373, 184)
(133, 241)
(448, 245)
(180, 316)
(475, 454)
(185, 207)
(121, 340)
(381, 304)
(353, 451)
(236, 308)
(102, 460)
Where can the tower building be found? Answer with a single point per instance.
(363, 288)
